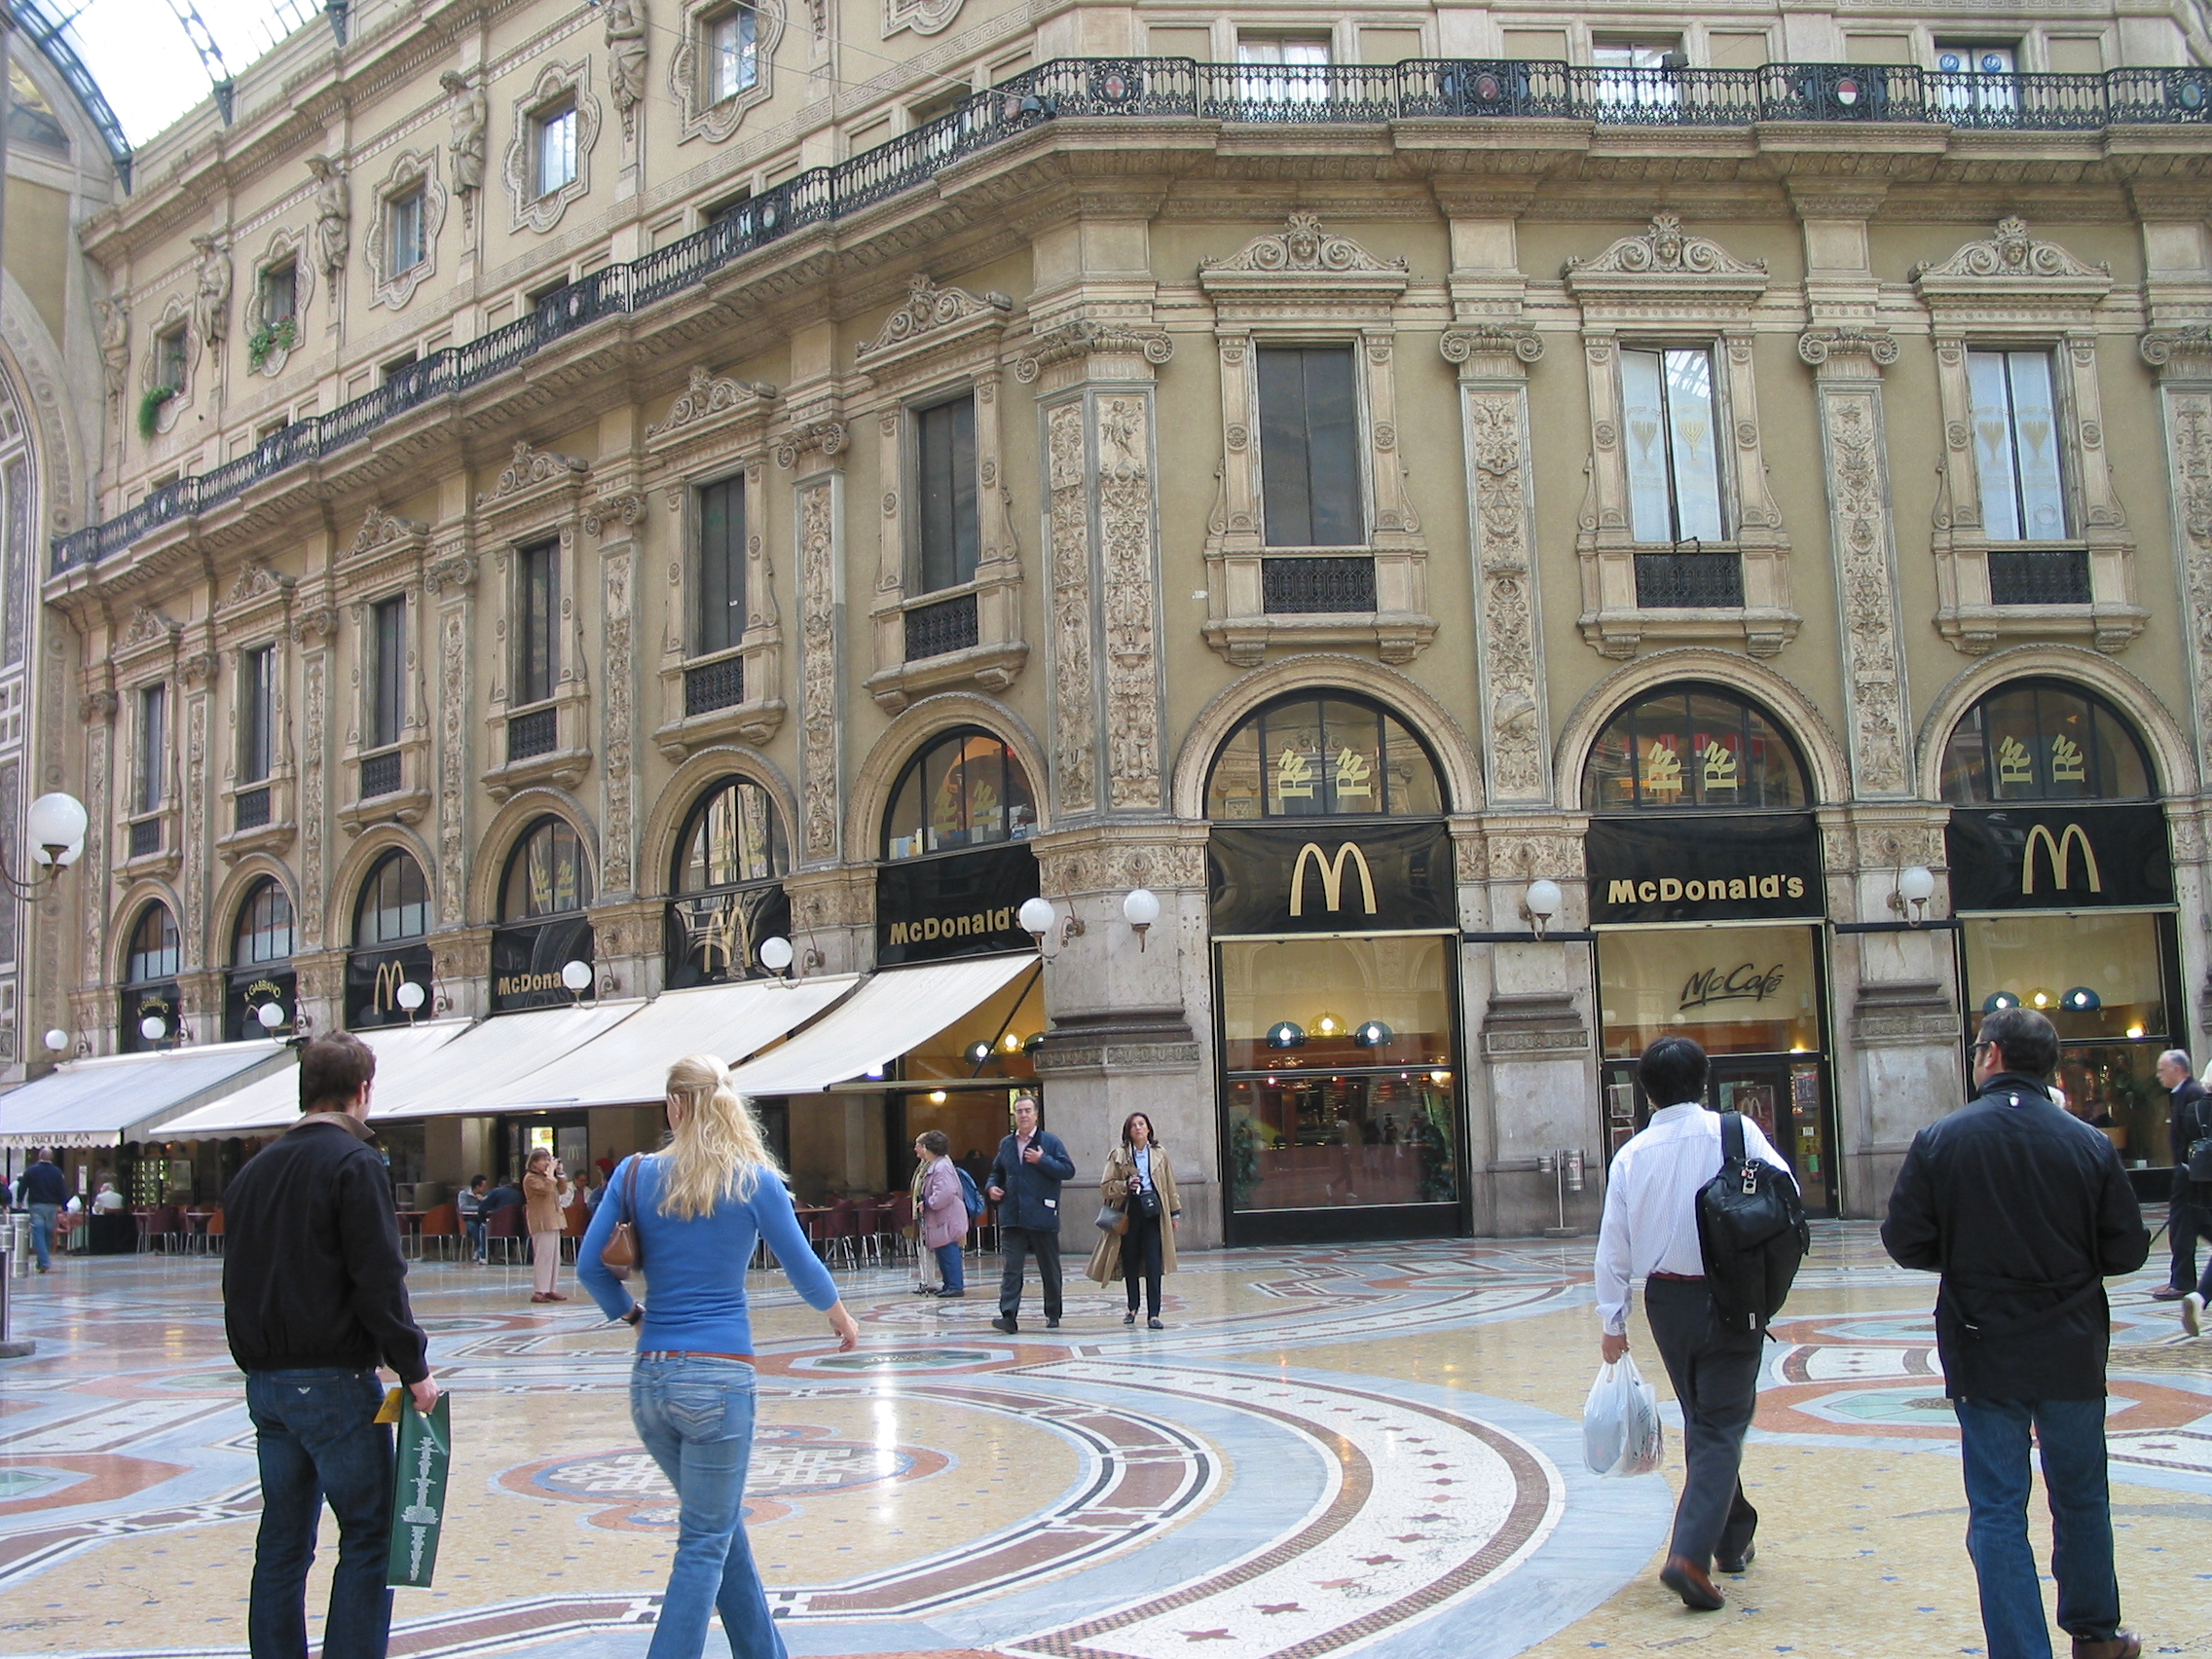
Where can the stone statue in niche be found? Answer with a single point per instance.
(212, 289)
(333, 216)
(115, 344)
(626, 53)
(469, 112)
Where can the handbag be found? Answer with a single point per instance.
(1112, 1219)
(1148, 1201)
(2201, 1159)
(623, 1254)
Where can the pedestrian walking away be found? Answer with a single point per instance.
(941, 1212)
(1139, 1182)
(2025, 1212)
(315, 1299)
(1026, 1184)
(545, 1194)
(1650, 1232)
(44, 1192)
(698, 1211)
(2189, 1207)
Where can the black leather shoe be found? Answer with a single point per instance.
(1052, 1324)
(1002, 1324)
(1130, 1317)
(2168, 1293)
(1693, 1584)
(2120, 1645)
(1736, 1563)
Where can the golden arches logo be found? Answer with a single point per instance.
(390, 976)
(2060, 847)
(1332, 875)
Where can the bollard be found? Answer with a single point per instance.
(19, 1245)
(10, 1348)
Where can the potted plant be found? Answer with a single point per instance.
(150, 410)
(270, 337)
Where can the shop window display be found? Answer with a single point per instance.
(1312, 757)
(546, 875)
(966, 789)
(1693, 746)
(2043, 740)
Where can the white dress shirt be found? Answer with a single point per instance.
(1650, 1224)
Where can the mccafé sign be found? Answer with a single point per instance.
(1331, 877)
(1706, 866)
(2059, 858)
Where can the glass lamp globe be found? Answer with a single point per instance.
(1999, 1001)
(1916, 884)
(977, 1053)
(408, 995)
(2081, 1000)
(270, 1015)
(576, 975)
(1543, 900)
(1287, 1034)
(776, 954)
(1141, 909)
(2041, 1000)
(153, 1028)
(1373, 1034)
(1328, 1025)
(1035, 916)
(58, 1039)
(55, 824)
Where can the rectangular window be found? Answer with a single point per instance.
(1309, 481)
(403, 232)
(733, 61)
(388, 671)
(257, 713)
(556, 137)
(538, 601)
(1639, 74)
(153, 746)
(169, 358)
(737, 207)
(2016, 446)
(1296, 68)
(949, 539)
(1976, 78)
(1674, 465)
(722, 567)
(281, 293)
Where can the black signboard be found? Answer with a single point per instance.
(2059, 858)
(714, 938)
(373, 978)
(1708, 866)
(527, 960)
(960, 904)
(1332, 878)
(250, 991)
(163, 1002)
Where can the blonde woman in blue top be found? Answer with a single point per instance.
(699, 1207)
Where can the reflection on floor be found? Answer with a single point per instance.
(1372, 1448)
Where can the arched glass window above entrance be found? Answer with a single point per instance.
(546, 873)
(394, 903)
(264, 931)
(1323, 754)
(2045, 740)
(151, 1010)
(966, 787)
(732, 836)
(727, 895)
(155, 949)
(1689, 746)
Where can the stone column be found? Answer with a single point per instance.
(195, 833)
(614, 516)
(450, 583)
(91, 1010)
(314, 630)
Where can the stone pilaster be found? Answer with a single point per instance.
(616, 517)
(450, 581)
(812, 450)
(314, 630)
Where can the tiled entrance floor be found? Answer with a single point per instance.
(1372, 1448)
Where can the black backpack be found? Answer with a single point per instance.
(1750, 1227)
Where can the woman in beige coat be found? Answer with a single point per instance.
(1140, 1182)
(544, 1192)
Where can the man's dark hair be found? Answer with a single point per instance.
(1671, 1071)
(332, 1070)
(933, 1142)
(2028, 1040)
(476, 1181)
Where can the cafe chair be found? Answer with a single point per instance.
(442, 1223)
(503, 1227)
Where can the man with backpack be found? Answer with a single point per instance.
(2025, 1212)
(1651, 1232)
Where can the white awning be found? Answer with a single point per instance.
(120, 1097)
(271, 1103)
(894, 1012)
(628, 1067)
(478, 1069)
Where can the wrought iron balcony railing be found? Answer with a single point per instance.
(1154, 88)
(2038, 576)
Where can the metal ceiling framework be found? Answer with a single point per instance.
(46, 34)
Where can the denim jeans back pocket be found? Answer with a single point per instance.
(697, 1409)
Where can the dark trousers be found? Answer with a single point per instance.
(2187, 1216)
(1715, 1375)
(317, 1439)
(1019, 1245)
(1993, 1437)
(1140, 1260)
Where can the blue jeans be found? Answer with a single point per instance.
(950, 1267)
(317, 1439)
(1994, 1437)
(476, 1236)
(42, 1217)
(695, 1417)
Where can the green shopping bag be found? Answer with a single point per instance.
(419, 1493)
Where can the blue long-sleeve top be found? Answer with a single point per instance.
(695, 1270)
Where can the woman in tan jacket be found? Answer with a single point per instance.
(543, 1186)
(1139, 1182)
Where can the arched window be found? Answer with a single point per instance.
(394, 903)
(965, 789)
(155, 950)
(1693, 746)
(732, 836)
(2045, 740)
(265, 926)
(1326, 755)
(546, 873)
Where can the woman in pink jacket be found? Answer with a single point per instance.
(943, 1215)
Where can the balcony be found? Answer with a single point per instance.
(940, 629)
(1154, 89)
(1318, 586)
(1689, 581)
(250, 809)
(719, 684)
(2038, 576)
(380, 774)
(532, 734)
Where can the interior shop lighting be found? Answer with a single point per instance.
(2041, 999)
(1440, 1077)
(1997, 1002)
(2081, 1000)
(1012, 1042)
(937, 1097)
(1328, 1025)
(2135, 1030)
(1374, 1034)
(977, 1053)
(1286, 1034)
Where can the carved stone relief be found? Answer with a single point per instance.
(195, 831)
(453, 757)
(1502, 500)
(1068, 509)
(2183, 359)
(818, 671)
(313, 723)
(923, 17)
(1127, 593)
(615, 845)
(95, 901)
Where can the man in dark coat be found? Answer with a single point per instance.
(1026, 1184)
(2025, 1210)
(2187, 1214)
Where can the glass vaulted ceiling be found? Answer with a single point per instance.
(153, 60)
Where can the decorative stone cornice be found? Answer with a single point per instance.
(1818, 345)
(2011, 252)
(621, 506)
(1084, 338)
(828, 436)
(1301, 248)
(1665, 249)
(456, 574)
(928, 310)
(1491, 339)
(149, 627)
(707, 396)
(2187, 350)
(382, 529)
(255, 581)
(529, 469)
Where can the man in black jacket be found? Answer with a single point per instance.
(1026, 1184)
(2187, 1216)
(2025, 1210)
(314, 1298)
(45, 1192)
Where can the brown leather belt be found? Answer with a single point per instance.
(692, 1353)
(1686, 1278)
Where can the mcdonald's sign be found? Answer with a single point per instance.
(373, 978)
(2059, 858)
(1332, 873)
(1372, 878)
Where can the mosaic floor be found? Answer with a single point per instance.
(1373, 1449)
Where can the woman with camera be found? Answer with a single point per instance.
(1139, 1188)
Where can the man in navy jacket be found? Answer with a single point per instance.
(1025, 1185)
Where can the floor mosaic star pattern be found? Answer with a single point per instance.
(1368, 1449)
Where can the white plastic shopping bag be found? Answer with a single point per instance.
(1621, 1434)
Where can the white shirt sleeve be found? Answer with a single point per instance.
(1612, 1276)
(1757, 1145)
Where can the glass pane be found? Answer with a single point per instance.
(1736, 990)
(1332, 447)
(1719, 773)
(2015, 743)
(2035, 428)
(2121, 772)
(546, 875)
(1234, 792)
(153, 746)
(1643, 418)
(902, 829)
(1777, 779)
(1609, 781)
(265, 928)
(154, 947)
(947, 515)
(2115, 1086)
(1990, 402)
(1692, 437)
(1286, 490)
(1351, 737)
(2047, 965)
(1412, 787)
(1297, 766)
(1966, 760)
(1666, 766)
